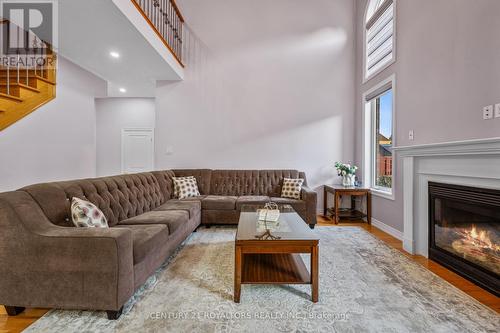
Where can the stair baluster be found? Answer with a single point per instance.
(166, 20)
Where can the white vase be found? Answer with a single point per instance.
(348, 180)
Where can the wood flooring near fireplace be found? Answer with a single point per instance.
(20, 322)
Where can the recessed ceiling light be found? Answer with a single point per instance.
(123, 90)
(114, 54)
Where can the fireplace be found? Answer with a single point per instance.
(464, 232)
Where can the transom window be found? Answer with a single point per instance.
(379, 36)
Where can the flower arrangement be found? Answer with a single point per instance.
(345, 169)
(347, 172)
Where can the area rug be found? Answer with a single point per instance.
(365, 286)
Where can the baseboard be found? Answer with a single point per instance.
(386, 228)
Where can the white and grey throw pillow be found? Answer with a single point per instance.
(185, 187)
(86, 215)
(291, 188)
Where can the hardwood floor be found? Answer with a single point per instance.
(466, 286)
(20, 322)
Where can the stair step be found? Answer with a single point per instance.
(15, 89)
(32, 81)
(13, 98)
(28, 91)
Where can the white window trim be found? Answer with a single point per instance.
(367, 143)
(367, 78)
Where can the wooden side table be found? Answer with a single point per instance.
(338, 191)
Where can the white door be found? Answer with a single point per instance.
(137, 150)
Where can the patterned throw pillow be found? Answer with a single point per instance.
(291, 188)
(185, 187)
(86, 215)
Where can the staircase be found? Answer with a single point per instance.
(26, 84)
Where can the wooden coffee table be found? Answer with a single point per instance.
(271, 255)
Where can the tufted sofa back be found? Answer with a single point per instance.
(125, 196)
(235, 182)
(271, 181)
(119, 197)
(165, 182)
(240, 182)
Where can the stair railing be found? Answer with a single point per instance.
(35, 63)
(166, 20)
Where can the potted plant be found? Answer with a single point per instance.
(347, 172)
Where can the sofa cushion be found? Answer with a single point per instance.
(291, 188)
(172, 218)
(298, 205)
(198, 198)
(146, 239)
(193, 207)
(85, 214)
(219, 202)
(202, 176)
(251, 200)
(185, 187)
(270, 181)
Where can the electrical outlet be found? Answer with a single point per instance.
(488, 112)
(411, 135)
(497, 110)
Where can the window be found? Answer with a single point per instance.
(379, 36)
(378, 138)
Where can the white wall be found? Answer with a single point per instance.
(57, 141)
(447, 69)
(114, 114)
(262, 89)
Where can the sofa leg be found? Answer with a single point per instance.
(207, 226)
(14, 310)
(311, 226)
(114, 315)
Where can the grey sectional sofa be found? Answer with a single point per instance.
(46, 262)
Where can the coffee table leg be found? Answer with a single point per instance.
(314, 273)
(237, 274)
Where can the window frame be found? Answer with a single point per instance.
(368, 141)
(367, 77)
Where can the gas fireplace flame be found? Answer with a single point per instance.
(481, 238)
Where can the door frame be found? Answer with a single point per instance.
(137, 129)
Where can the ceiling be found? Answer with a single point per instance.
(89, 30)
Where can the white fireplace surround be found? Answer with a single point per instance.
(468, 163)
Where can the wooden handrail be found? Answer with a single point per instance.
(165, 18)
(174, 4)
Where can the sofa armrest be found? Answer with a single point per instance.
(311, 198)
(44, 265)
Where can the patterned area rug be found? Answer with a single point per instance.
(365, 286)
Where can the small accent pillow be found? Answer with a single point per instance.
(86, 215)
(291, 188)
(185, 187)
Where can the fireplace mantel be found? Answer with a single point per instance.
(468, 163)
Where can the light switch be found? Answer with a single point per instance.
(497, 110)
(411, 135)
(488, 112)
(169, 150)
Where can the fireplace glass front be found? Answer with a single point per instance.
(464, 231)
